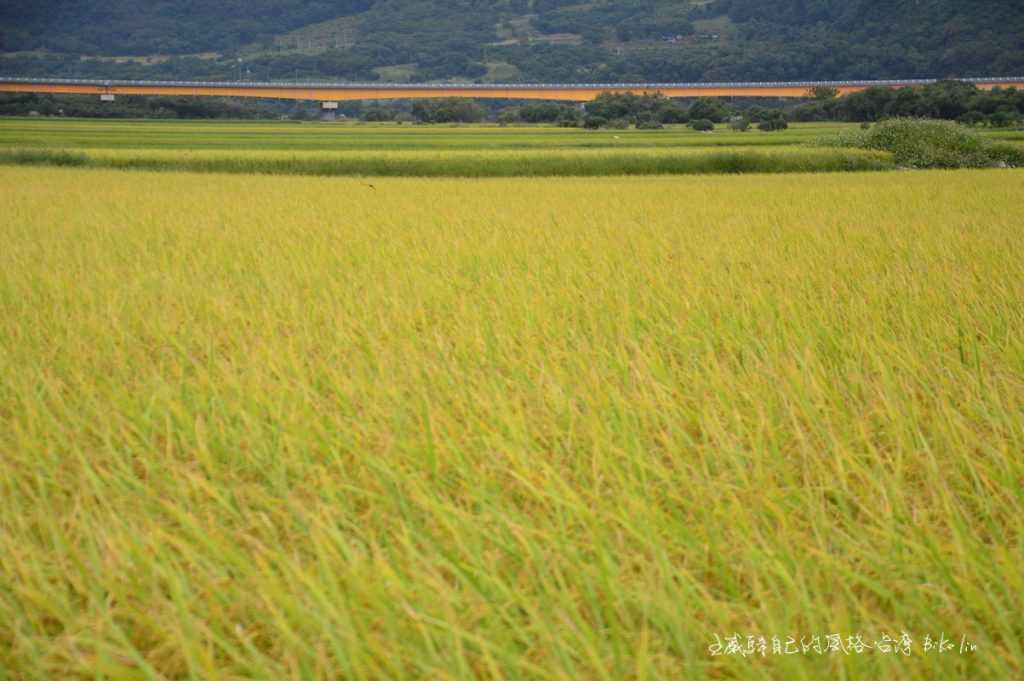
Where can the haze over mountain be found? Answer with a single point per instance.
(513, 40)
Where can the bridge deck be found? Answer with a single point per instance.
(358, 91)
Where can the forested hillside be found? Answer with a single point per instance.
(123, 27)
(513, 40)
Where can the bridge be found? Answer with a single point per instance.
(331, 93)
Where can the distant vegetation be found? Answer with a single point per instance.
(519, 40)
(135, 107)
(123, 27)
(948, 100)
(451, 110)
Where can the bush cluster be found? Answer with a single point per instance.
(946, 100)
(773, 125)
(926, 143)
(448, 110)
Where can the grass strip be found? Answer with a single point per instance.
(817, 160)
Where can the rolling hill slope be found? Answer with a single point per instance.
(527, 40)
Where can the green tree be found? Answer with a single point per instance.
(739, 123)
(706, 108)
(773, 125)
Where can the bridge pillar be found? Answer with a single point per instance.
(328, 111)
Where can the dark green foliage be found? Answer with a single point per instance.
(613, 106)
(157, 26)
(772, 125)
(570, 117)
(948, 100)
(624, 21)
(869, 38)
(714, 110)
(702, 124)
(651, 111)
(542, 112)
(448, 110)
(508, 116)
(377, 114)
(756, 113)
(739, 124)
(136, 107)
(670, 112)
(550, 113)
(923, 143)
(1003, 119)
(650, 125)
(779, 40)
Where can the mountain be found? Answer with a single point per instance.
(512, 40)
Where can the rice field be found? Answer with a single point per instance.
(468, 164)
(464, 151)
(278, 427)
(351, 136)
(388, 150)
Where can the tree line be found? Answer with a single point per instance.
(948, 100)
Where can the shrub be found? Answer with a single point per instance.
(594, 122)
(702, 124)
(618, 123)
(377, 114)
(1003, 119)
(772, 124)
(650, 125)
(926, 143)
(739, 124)
(972, 118)
(1008, 155)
